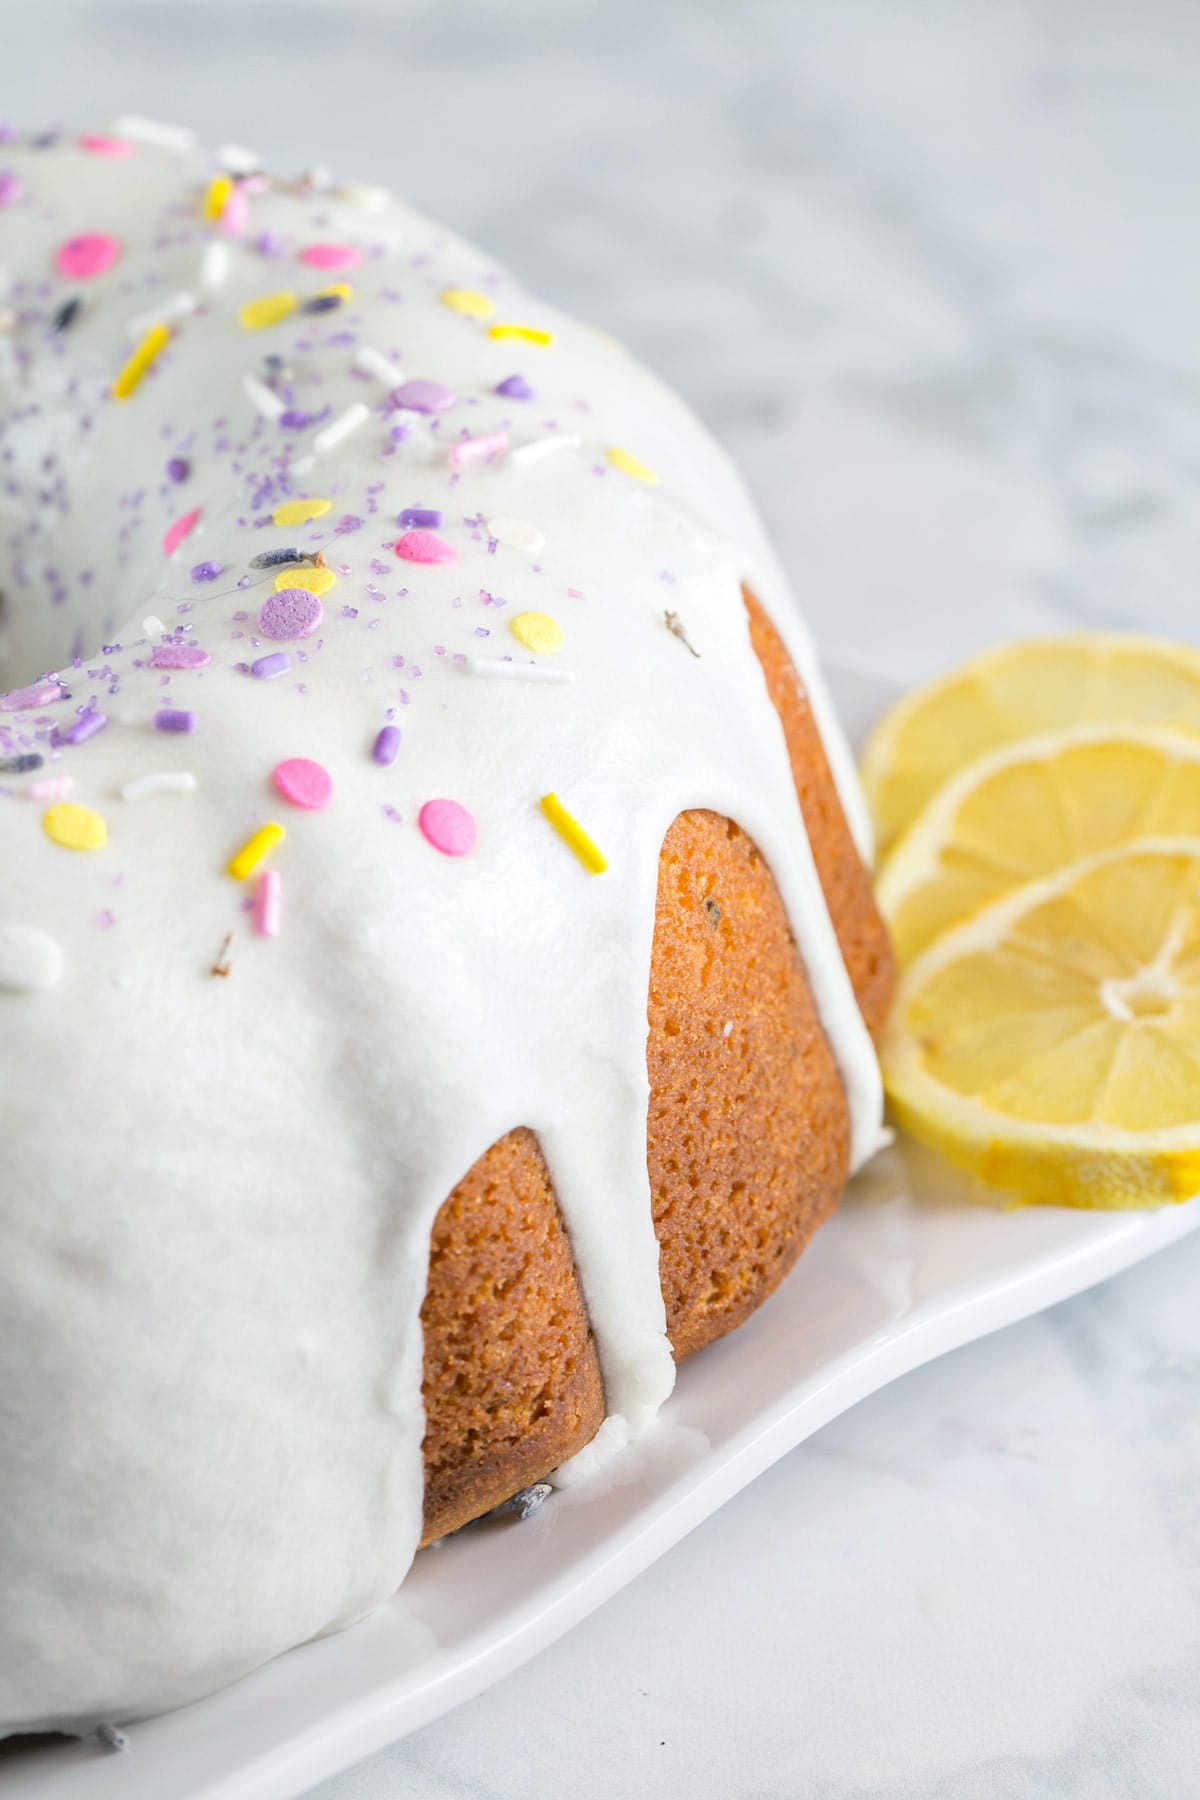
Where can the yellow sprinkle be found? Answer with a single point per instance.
(296, 512)
(256, 850)
(538, 632)
(342, 289)
(532, 334)
(75, 827)
(152, 345)
(469, 301)
(317, 581)
(216, 199)
(632, 465)
(268, 309)
(572, 832)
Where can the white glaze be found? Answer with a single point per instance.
(217, 1194)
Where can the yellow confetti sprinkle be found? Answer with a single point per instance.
(256, 850)
(532, 334)
(297, 512)
(317, 581)
(632, 465)
(469, 301)
(217, 197)
(538, 632)
(268, 309)
(152, 345)
(75, 827)
(572, 833)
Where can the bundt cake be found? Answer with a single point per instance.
(437, 964)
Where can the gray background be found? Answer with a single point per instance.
(931, 271)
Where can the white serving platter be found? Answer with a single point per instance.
(912, 1266)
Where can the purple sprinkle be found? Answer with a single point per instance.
(207, 571)
(347, 522)
(172, 719)
(179, 656)
(387, 746)
(423, 396)
(10, 186)
(424, 518)
(295, 420)
(84, 727)
(267, 667)
(515, 388)
(29, 699)
(179, 468)
(290, 613)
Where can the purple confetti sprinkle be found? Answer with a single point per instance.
(423, 396)
(290, 613)
(179, 656)
(515, 388)
(387, 746)
(207, 571)
(424, 518)
(169, 718)
(179, 468)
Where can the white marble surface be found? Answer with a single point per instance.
(932, 271)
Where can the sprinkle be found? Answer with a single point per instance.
(469, 301)
(303, 782)
(425, 547)
(256, 849)
(23, 764)
(153, 626)
(151, 347)
(632, 465)
(67, 313)
(10, 187)
(265, 399)
(269, 309)
(111, 1738)
(268, 902)
(538, 632)
(331, 256)
(238, 160)
(179, 468)
(290, 612)
(206, 571)
(516, 534)
(167, 782)
(572, 833)
(478, 449)
(235, 215)
(293, 419)
(182, 528)
(299, 512)
(365, 194)
(266, 668)
(374, 362)
(223, 966)
(340, 428)
(75, 827)
(448, 826)
(54, 787)
(29, 959)
(515, 387)
(150, 131)
(494, 665)
(530, 334)
(217, 197)
(423, 396)
(214, 265)
(386, 747)
(31, 698)
(317, 581)
(88, 254)
(321, 303)
(170, 718)
(100, 144)
(179, 306)
(547, 446)
(179, 656)
(274, 559)
(675, 625)
(86, 726)
(426, 518)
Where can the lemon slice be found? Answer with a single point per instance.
(1027, 809)
(1051, 1043)
(1012, 692)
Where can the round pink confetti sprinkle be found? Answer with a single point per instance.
(423, 396)
(304, 783)
(290, 613)
(425, 547)
(179, 656)
(331, 256)
(100, 145)
(183, 527)
(88, 254)
(27, 699)
(448, 826)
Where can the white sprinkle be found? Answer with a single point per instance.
(168, 782)
(214, 264)
(238, 160)
(547, 446)
(304, 465)
(374, 362)
(492, 665)
(29, 959)
(341, 427)
(728, 1028)
(517, 534)
(177, 307)
(152, 131)
(50, 787)
(153, 626)
(265, 399)
(366, 195)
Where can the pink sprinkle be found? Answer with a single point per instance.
(290, 613)
(88, 254)
(476, 449)
(423, 396)
(268, 902)
(99, 145)
(425, 547)
(235, 214)
(28, 699)
(331, 256)
(183, 527)
(179, 656)
(51, 787)
(448, 826)
(304, 783)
